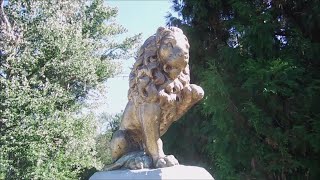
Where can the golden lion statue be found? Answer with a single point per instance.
(159, 94)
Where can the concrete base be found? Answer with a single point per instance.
(174, 172)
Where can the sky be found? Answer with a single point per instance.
(137, 16)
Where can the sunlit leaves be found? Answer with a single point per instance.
(50, 59)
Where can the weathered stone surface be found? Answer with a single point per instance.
(159, 94)
(174, 172)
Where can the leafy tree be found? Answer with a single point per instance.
(110, 124)
(258, 64)
(51, 54)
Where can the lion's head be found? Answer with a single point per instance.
(173, 51)
(161, 60)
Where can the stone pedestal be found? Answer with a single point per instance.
(174, 172)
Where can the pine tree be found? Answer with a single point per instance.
(258, 64)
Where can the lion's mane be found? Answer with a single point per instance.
(147, 76)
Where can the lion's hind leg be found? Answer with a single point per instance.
(119, 145)
(123, 142)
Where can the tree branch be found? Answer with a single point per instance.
(3, 18)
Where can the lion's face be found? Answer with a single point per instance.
(174, 54)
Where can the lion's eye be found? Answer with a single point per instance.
(169, 44)
(167, 68)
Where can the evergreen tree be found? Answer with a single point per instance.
(51, 53)
(258, 64)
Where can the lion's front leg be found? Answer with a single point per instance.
(150, 121)
(165, 160)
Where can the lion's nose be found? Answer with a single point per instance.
(185, 55)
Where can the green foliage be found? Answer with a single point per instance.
(258, 64)
(110, 124)
(51, 54)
